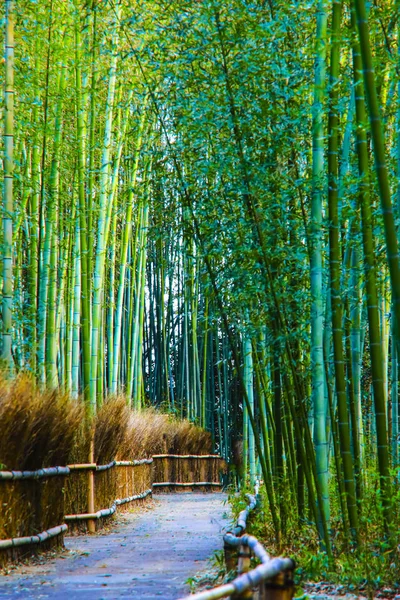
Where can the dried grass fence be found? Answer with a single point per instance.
(39, 429)
(175, 472)
(116, 485)
(39, 506)
(32, 511)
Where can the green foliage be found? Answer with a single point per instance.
(165, 210)
(369, 567)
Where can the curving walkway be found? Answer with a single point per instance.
(149, 556)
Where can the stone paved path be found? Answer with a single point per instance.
(149, 556)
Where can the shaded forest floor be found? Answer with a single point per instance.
(149, 554)
(328, 591)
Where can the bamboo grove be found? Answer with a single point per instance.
(201, 211)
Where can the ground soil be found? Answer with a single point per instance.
(330, 591)
(149, 554)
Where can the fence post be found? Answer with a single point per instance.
(280, 587)
(91, 522)
(244, 567)
(230, 554)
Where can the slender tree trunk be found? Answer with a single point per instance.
(83, 213)
(317, 308)
(362, 58)
(102, 229)
(8, 205)
(334, 263)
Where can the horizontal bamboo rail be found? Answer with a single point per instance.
(83, 467)
(141, 496)
(187, 484)
(113, 463)
(34, 539)
(100, 468)
(133, 463)
(203, 456)
(270, 576)
(54, 471)
(110, 465)
(132, 485)
(241, 523)
(39, 474)
(106, 512)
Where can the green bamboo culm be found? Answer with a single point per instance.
(126, 239)
(84, 268)
(390, 238)
(49, 287)
(34, 215)
(103, 226)
(248, 444)
(334, 264)
(8, 205)
(316, 269)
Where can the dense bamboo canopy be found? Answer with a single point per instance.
(201, 210)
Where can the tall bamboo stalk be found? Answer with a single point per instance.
(362, 58)
(317, 309)
(102, 225)
(8, 204)
(83, 215)
(334, 264)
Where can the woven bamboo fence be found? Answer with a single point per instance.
(177, 473)
(116, 484)
(38, 507)
(32, 511)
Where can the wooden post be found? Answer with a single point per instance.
(230, 554)
(280, 587)
(165, 467)
(91, 522)
(244, 567)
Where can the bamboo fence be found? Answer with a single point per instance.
(32, 511)
(116, 484)
(175, 472)
(271, 580)
(38, 507)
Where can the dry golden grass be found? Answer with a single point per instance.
(80, 452)
(38, 429)
(187, 438)
(150, 432)
(46, 428)
(110, 429)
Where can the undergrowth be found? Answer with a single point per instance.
(371, 566)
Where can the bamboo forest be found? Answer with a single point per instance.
(200, 244)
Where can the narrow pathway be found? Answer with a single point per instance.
(149, 556)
